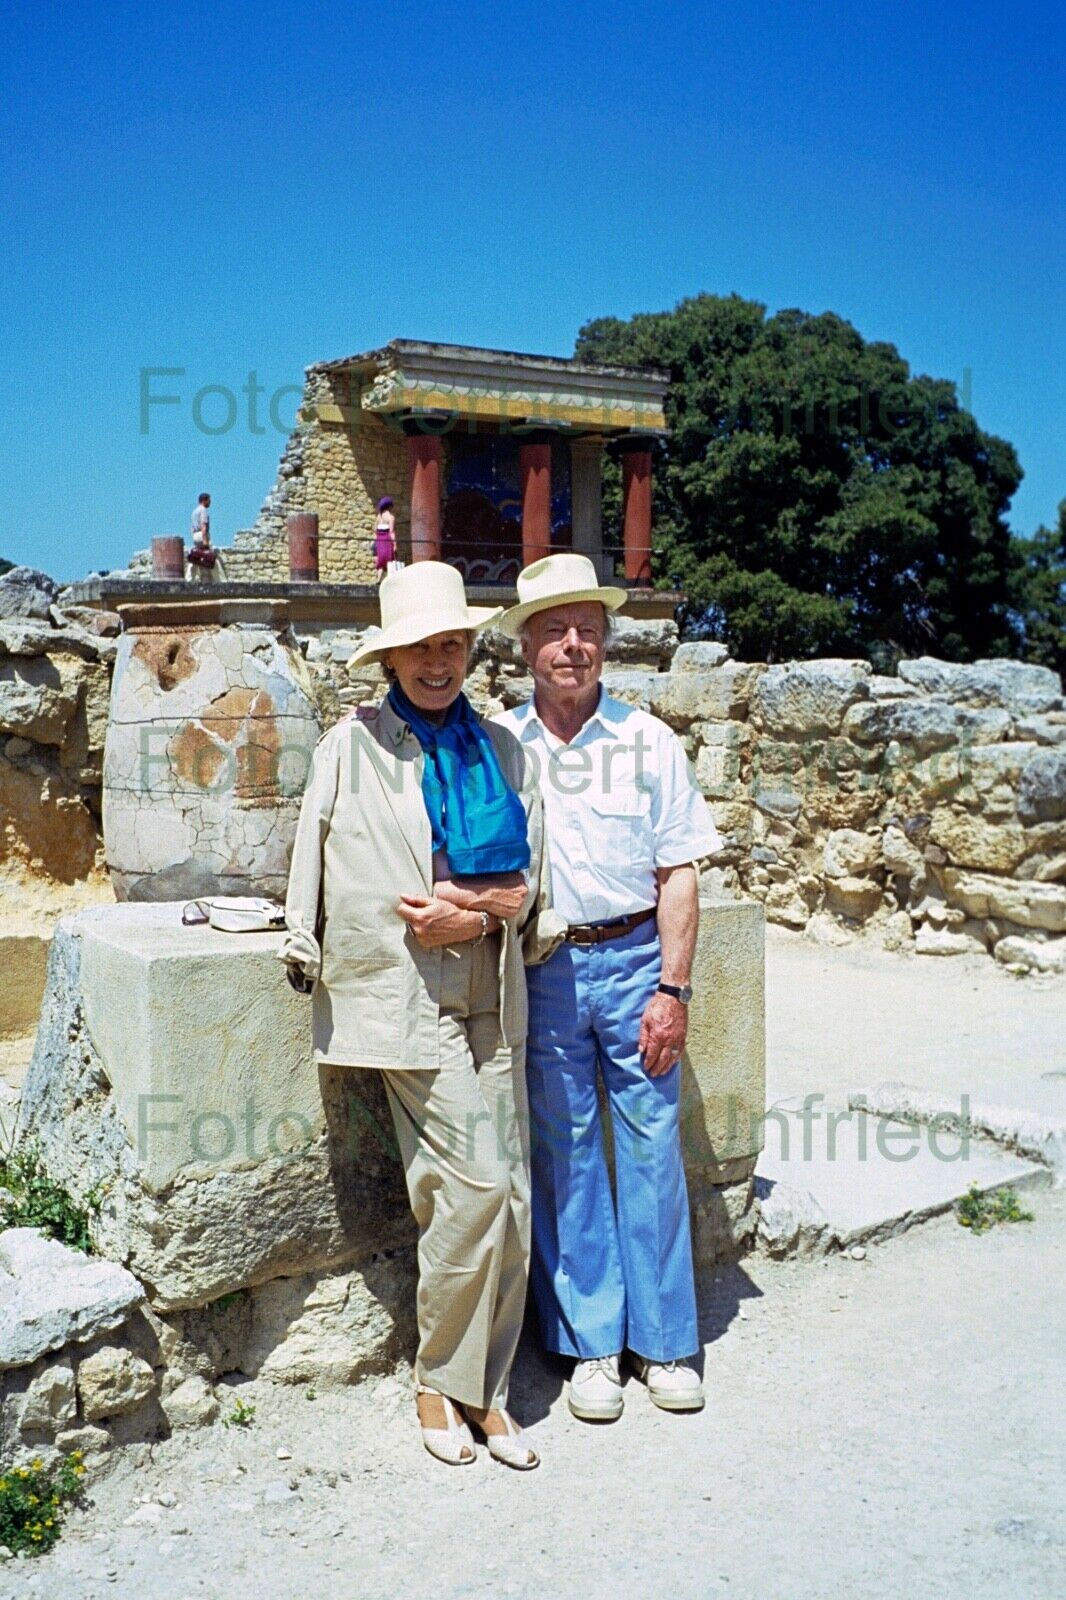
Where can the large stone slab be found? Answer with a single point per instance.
(50, 1294)
(835, 1178)
(173, 1067)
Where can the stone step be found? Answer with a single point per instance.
(1029, 1120)
(840, 1178)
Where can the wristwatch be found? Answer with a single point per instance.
(682, 993)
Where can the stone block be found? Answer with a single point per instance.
(226, 1156)
(25, 592)
(112, 1381)
(1028, 902)
(699, 655)
(1016, 685)
(51, 1295)
(809, 697)
(23, 962)
(723, 1092)
(849, 853)
(38, 697)
(681, 698)
(1042, 787)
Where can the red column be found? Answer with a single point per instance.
(636, 500)
(303, 546)
(535, 476)
(424, 452)
(168, 556)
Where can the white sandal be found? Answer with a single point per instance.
(512, 1447)
(454, 1445)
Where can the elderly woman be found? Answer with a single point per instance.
(418, 881)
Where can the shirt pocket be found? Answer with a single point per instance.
(621, 833)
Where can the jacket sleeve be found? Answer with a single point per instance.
(300, 946)
(540, 927)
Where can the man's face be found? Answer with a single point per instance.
(207, 500)
(563, 647)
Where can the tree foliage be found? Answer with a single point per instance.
(1039, 594)
(815, 498)
(5, 566)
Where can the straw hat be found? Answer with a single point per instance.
(424, 598)
(559, 580)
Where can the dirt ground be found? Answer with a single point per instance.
(878, 1427)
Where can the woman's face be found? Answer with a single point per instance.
(431, 672)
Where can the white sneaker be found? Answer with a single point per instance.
(596, 1390)
(671, 1384)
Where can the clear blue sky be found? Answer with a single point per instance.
(253, 187)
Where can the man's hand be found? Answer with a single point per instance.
(663, 1028)
(434, 922)
(503, 897)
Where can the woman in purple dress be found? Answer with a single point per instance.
(384, 536)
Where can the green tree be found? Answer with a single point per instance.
(813, 497)
(5, 566)
(1039, 594)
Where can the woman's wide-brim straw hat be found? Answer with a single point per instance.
(424, 598)
(561, 580)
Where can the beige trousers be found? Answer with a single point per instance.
(463, 1132)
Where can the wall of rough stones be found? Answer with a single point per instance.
(927, 809)
(55, 681)
(339, 470)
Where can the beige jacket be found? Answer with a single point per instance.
(362, 840)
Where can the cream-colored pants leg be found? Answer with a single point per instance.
(463, 1133)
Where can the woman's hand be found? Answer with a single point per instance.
(436, 921)
(502, 896)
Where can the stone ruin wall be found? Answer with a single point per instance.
(336, 470)
(927, 809)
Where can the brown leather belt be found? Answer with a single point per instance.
(597, 932)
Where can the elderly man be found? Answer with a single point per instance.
(625, 825)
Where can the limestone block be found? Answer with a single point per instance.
(333, 1330)
(226, 1156)
(1042, 787)
(1049, 729)
(1027, 901)
(50, 1295)
(45, 826)
(930, 941)
(699, 656)
(640, 641)
(881, 687)
(898, 932)
(723, 1093)
(921, 725)
(1035, 955)
(784, 904)
(681, 698)
(632, 685)
(23, 959)
(900, 857)
(50, 1404)
(718, 759)
(112, 1381)
(193, 1404)
(849, 853)
(853, 897)
(25, 592)
(809, 697)
(974, 841)
(38, 696)
(1016, 685)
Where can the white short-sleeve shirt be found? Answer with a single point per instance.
(620, 800)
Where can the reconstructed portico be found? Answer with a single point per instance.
(492, 459)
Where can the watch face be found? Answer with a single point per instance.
(686, 993)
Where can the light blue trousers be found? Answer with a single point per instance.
(604, 1280)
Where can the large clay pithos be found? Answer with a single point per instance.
(208, 746)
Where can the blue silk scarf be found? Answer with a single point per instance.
(476, 817)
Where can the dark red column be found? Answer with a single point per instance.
(168, 556)
(535, 476)
(424, 453)
(636, 501)
(303, 546)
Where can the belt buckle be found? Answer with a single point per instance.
(581, 934)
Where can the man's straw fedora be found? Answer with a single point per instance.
(424, 598)
(559, 580)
